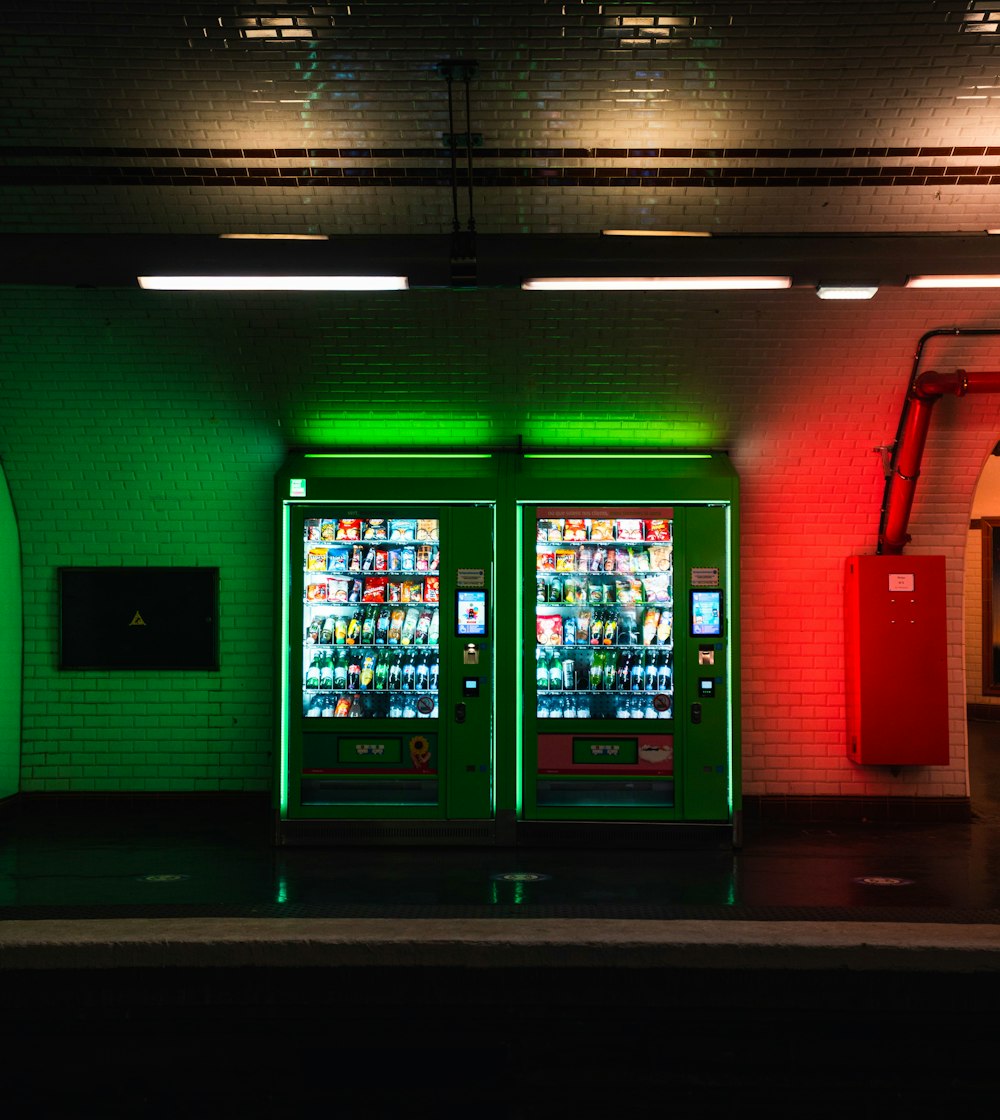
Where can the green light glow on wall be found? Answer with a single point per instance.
(283, 716)
(613, 455)
(519, 671)
(392, 455)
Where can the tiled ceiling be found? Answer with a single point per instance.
(778, 115)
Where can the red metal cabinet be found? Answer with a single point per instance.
(897, 663)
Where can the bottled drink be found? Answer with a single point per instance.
(555, 672)
(354, 629)
(621, 707)
(541, 669)
(395, 675)
(422, 674)
(638, 674)
(432, 670)
(569, 630)
(396, 707)
(432, 633)
(340, 630)
(340, 671)
(353, 670)
(382, 626)
(568, 672)
(597, 670)
(326, 631)
(664, 674)
(409, 673)
(649, 712)
(610, 635)
(423, 627)
(610, 669)
(624, 671)
(543, 707)
(582, 705)
(409, 708)
(312, 673)
(636, 707)
(596, 628)
(326, 672)
(652, 663)
(368, 670)
(541, 590)
(368, 627)
(557, 707)
(628, 630)
(381, 673)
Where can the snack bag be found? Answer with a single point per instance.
(349, 529)
(336, 560)
(327, 529)
(403, 529)
(312, 529)
(407, 559)
(661, 557)
(542, 528)
(556, 529)
(355, 591)
(639, 559)
(339, 590)
(376, 529)
(624, 592)
(628, 529)
(650, 621)
(658, 530)
(357, 556)
(602, 530)
(576, 529)
(545, 561)
(657, 589)
(548, 628)
(413, 591)
(316, 560)
(317, 592)
(425, 556)
(432, 589)
(395, 591)
(375, 589)
(381, 560)
(565, 560)
(427, 529)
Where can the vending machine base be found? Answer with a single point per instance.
(384, 833)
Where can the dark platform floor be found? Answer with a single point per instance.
(155, 962)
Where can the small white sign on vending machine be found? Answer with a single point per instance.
(901, 581)
(704, 577)
(471, 577)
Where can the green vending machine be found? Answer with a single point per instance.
(386, 681)
(628, 673)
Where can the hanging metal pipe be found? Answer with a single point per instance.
(926, 390)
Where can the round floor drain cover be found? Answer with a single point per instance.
(161, 878)
(520, 877)
(882, 881)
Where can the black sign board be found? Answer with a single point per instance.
(139, 618)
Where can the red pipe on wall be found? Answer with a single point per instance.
(927, 389)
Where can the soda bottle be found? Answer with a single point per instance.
(368, 627)
(555, 672)
(315, 630)
(432, 671)
(432, 633)
(409, 708)
(312, 673)
(541, 590)
(340, 671)
(636, 708)
(368, 670)
(624, 671)
(422, 675)
(382, 626)
(664, 674)
(354, 670)
(557, 708)
(326, 631)
(582, 705)
(610, 635)
(423, 627)
(597, 628)
(569, 630)
(381, 673)
(541, 669)
(597, 670)
(409, 673)
(340, 630)
(396, 707)
(543, 707)
(651, 673)
(610, 669)
(326, 672)
(568, 671)
(638, 676)
(354, 629)
(621, 707)
(395, 675)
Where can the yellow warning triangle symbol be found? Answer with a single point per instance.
(137, 620)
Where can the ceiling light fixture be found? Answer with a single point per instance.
(655, 283)
(655, 233)
(846, 291)
(274, 236)
(982, 280)
(273, 283)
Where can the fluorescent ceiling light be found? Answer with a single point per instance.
(655, 233)
(275, 236)
(984, 280)
(273, 283)
(655, 283)
(846, 291)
